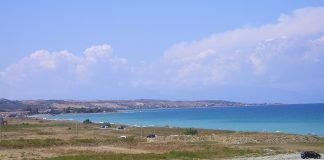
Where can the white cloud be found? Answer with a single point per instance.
(285, 54)
(316, 51)
(219, 57)
(63, 70)
(98, 51)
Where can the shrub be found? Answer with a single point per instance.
(27, 143)
(107, 124)
(87, 121)
(191, 131)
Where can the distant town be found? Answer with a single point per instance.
(22, 108)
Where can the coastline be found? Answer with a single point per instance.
(213, 118)
(168, 126)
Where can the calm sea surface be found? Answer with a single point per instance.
(301, 118)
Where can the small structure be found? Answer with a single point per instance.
(3, 122)
(123, 137)
(151, 136)
(104, 127)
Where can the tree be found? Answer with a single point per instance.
(191, 131)
(107, 124)
(87, 121)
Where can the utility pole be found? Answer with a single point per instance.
(0, 132)
(1, 122)
(76, 128)
(141, 131)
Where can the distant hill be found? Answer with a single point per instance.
(8, 105)
(71, 106)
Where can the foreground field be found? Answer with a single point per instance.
(67, 140)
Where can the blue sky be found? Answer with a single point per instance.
(269, 51)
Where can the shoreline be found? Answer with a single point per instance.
(263, 119)
(170, 126)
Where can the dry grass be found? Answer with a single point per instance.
(39, 139)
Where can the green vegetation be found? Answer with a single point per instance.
(80, 110)
(107, 124)
(23, 143)
(87, 121)
(221, 152)
(31, 109)
(191, 131)
(26, 143)
(18, 127)
(315, 144)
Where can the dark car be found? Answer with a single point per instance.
(310, 154)
(121, 127)
(151, 136)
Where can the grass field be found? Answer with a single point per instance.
(68, 140)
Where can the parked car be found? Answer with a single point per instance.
(121, 127)
(104, 127)
(310, 154)
(151, 136)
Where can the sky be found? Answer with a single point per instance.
(248, 51)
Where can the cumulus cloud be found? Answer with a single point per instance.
(315, 53)
(255, 51)
(286, 55)
(57, 72)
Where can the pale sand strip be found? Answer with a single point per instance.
(288, 156)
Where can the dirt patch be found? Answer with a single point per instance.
(237, 138)
(290, 156)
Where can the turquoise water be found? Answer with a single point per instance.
(301, 118)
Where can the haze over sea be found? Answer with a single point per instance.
(294, 118)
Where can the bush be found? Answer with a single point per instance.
(191, 131)
(107, 124)
(87, 121)
(27, 143)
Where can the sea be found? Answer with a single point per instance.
(293, 118)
